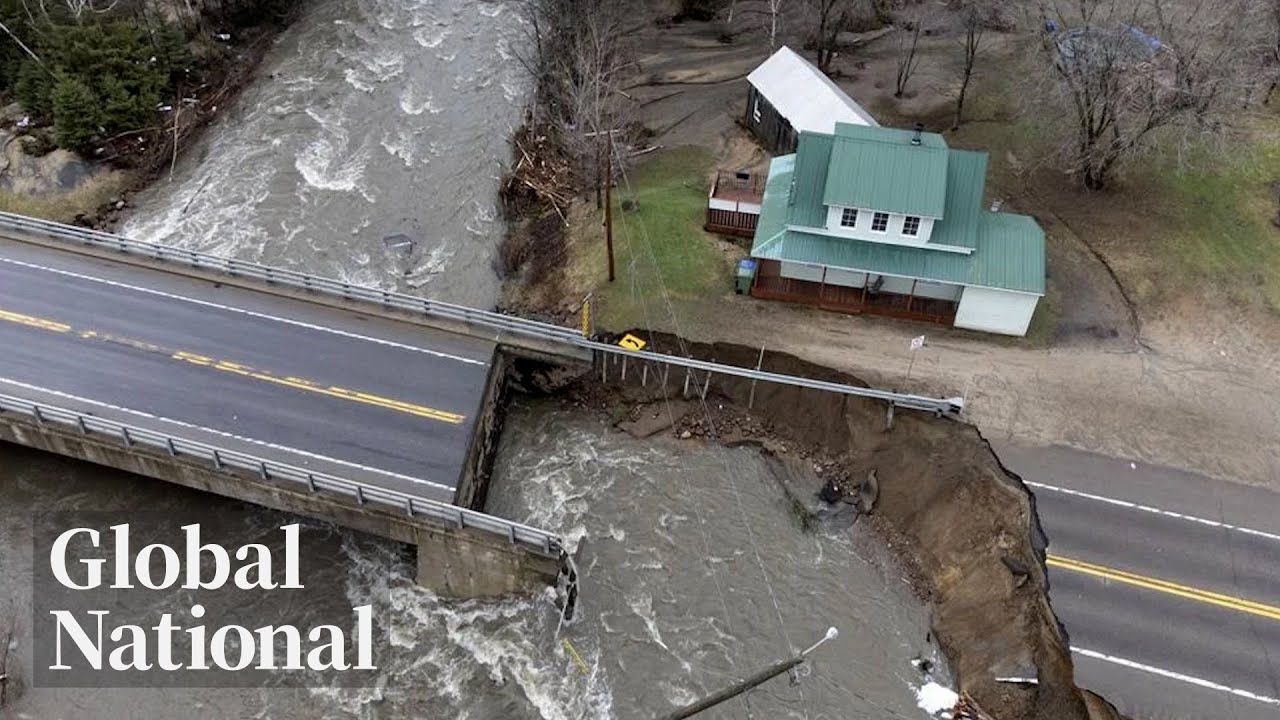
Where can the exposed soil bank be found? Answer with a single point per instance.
(964, 527)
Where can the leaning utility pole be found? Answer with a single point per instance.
(744, 685)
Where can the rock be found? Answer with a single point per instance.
(686, 435)
(1017, 569)
(869, 492)
(831, 492)
(647, 424)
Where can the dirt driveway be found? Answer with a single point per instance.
(1187, 389)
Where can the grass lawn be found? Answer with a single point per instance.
(658, 248)
(1222, 235)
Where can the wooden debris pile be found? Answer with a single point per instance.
(542, 177)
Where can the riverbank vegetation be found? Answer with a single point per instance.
(126, 81)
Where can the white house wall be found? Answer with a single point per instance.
(862, 231)
(801, 271)
(938, 291)
(995, 311)
(898, 285)
(845, 278)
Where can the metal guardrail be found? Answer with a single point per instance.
(546, 332)
(531, 538)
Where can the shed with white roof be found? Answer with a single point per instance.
(789, 95)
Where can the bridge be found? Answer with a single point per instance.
(361, 406)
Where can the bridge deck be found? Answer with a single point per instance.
(388, 403)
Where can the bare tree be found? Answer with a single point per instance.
(974, 27)
(831, 16)
(774, 7)
(1131, 71)
(577, 65)
(908, 60)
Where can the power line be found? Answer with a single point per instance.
(755, 548)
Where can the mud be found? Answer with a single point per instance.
(963, 527)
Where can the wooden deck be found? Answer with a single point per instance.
(728, 222)
(770, 285)
(733, 207)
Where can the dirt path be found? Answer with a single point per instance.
(1182, 389)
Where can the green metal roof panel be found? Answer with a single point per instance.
(1010, 253)
(913, 262)
(878, 168)
(773, 208)
(813, 155)
(1009, 256)
(966, 181)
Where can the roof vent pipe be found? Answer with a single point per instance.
(915, 139)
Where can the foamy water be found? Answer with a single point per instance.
(370, 118)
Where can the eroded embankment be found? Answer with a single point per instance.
(969, 526)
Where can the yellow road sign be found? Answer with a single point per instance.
(631, 342)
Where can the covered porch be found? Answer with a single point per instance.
(770, 284)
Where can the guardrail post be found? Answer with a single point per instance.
(270, 276)
(35, 410)
(751, 399)
(408, 506)
(84, 430)
(462, 519)
(888, 425)
(217, 460)
(360, 494)
(644, 374)
(624, 369)
(262, 470)
(604, 368)
(386, 298)
(311, 482)
(511, 534)
(169, 443)
(706, 385)
(124, 435)
(685, 393)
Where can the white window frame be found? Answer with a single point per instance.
(876, 218)
(906, 222)
(844, 215)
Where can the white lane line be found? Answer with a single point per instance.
(242, 311)
(1207, 684)
(1154, 510)
(233, 436)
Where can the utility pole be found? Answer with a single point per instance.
(608, 201)
(744, 685)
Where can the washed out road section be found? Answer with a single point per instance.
(304, 384)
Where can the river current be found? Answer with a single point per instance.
(378, 118)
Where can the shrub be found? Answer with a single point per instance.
(75, 111)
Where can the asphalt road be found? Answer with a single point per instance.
(365, 398)
(1168, 583)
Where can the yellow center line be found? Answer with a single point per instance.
(1187, 592)
(34, 321)
(238, 369)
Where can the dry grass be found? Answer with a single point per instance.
(63, 207)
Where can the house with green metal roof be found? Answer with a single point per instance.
(890, 221)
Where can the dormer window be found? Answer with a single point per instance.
(880, 222)
(849, 217)
(911, 226)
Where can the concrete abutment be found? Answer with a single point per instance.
(452, 561)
